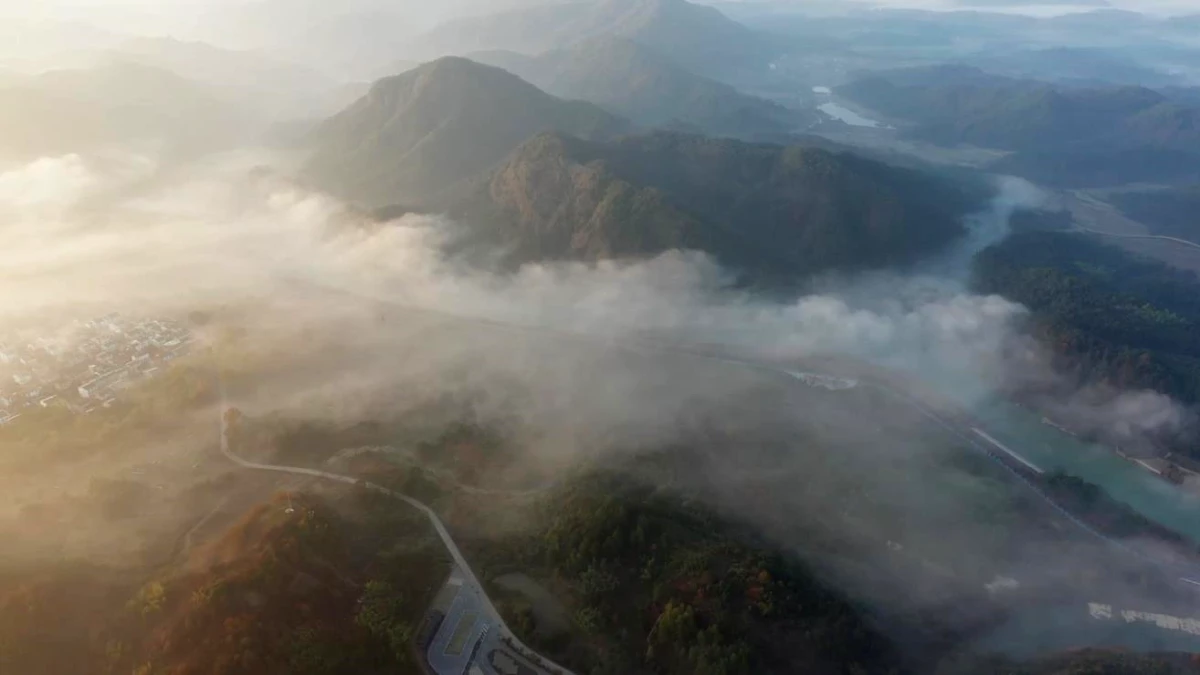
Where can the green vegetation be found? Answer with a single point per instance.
(416, 135)
(658, 585)
(779, 214)
(1094, 505)
(1116, 318)
(301, 585)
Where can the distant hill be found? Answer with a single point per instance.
(278, 88)
(1184, 95)
(777, 213)
(1173, 212)
(636, 81)
(118, 103)
(696, 37)
(1073, 65)
(1062, 135)
(415, 136)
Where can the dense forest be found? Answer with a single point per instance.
(778, 214)
(299, 585)
(659, 585)
(1113, 317)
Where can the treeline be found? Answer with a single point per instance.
(658, 585)
(1115, 318)
(300, 585)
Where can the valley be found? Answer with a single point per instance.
(618, 337)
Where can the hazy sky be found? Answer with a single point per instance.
(82, 7)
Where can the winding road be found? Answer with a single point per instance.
(459, 559)
(1014, 464)
(1173, 240)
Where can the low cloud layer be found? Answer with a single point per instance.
(556, 357)
(86, 236)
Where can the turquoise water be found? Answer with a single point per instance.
(1123, 480)
(1044, 630)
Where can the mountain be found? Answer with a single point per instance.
(1170, 212)
(1062, 135)
(1184, 95)
(1075, 65)
(1111, 317)
(416, 135)
(639, 83)
(696, 37)
(117, 103)
(778, 213)
(278, 88)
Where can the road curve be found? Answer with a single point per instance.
(440, 527)
(1187, 573)
(1173, 240)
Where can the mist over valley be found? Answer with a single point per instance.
(598, 337)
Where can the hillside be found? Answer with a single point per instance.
(416, 135)
(639, 83)
(781, 213)
(1112, 319)
(279, 591)
(83, 109)
(696, 37)
(1061, 135)
(664, 586)
(276, 87)
(1170, 212)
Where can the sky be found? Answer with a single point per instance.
(68, 8)
(1034, 7)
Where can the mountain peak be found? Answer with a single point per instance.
(451, 68)
(416, 135)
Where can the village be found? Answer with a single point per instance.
(86, 365)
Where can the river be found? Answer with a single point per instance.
(1051, 448)
(1042, 629)
(842, 113)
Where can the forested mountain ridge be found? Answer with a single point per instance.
(778, 212)
(416, 135)
(1060, 135)
(1118, 319)
(667, 587)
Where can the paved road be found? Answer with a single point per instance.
(1174, 240)
(1020, 468)
(1188, 574)
(459, 559)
